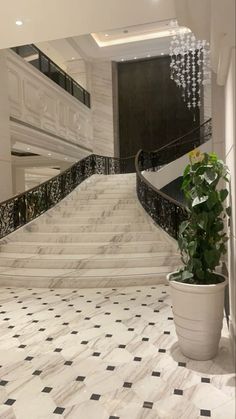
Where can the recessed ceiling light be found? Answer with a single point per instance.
(162, 53)
(148, 55)
(49, 154)
(19, 22)
(28, 148)
(72, 58)
(135, 58)
(122, 59)
(65, 158)
(106, 34)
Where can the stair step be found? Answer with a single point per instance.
(81, 220)
(85, 248)
(82, 282)
(98, 236)
(88, 262)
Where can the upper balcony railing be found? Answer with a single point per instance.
(39, 60)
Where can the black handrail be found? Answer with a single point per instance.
(165, 210)
(45, 65)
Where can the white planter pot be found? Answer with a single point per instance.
(198, 316)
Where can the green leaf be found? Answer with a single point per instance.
(210, 176)
(186, 170)
(183, 226)
(212, 199)
(212, 257)
(192, 246)
(202, 220)
(199, 200)
(223, 194)
(228, 211)
(186, 275)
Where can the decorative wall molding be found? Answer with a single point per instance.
(36, 100)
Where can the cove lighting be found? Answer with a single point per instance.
(19, 22)
(135, 37)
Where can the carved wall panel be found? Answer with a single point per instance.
(36, 100)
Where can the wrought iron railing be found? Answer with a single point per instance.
(164, 210)
(45, 65)
(25, 207)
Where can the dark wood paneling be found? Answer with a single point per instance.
(151, 109)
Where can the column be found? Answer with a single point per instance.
(5, 137)
(218, 118)
(18, 180)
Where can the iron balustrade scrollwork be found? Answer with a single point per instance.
(21, 209)
(164, 210)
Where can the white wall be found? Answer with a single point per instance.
(230, 153)
(172, 170)
(5, 144)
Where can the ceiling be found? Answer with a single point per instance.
(126, 43)
(44, 20)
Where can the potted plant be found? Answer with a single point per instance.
(197, 290)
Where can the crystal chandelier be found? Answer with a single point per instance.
(190, 65)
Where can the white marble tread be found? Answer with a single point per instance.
(97, 236)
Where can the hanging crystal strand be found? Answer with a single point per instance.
(199, 71)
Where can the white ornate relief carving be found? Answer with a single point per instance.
(37, 100)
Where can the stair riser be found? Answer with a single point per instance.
(90, 264)
(40, 282)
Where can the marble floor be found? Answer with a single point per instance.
(104, 354)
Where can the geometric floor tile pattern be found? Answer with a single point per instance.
(104, 354)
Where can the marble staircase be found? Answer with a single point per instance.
(98, 236)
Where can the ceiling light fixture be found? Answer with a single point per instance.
(148, 55)
(135, 58)
(106, 34)
(28, 149)
(49, 154)
(190, 66)
(19, 22)
(162, 53)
